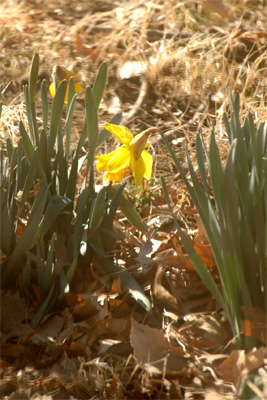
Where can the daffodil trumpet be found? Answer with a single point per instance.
(61, 74)
(131, 153)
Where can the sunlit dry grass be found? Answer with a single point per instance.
(191, 53)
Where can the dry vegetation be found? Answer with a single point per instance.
(170, 65)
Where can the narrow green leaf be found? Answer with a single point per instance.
(85, 241)
(108, 233)
(199, 196)
(54, 208)
(26, 142)
(62, 167)
(138, 295)
(8, 211)
(26, 275)
(33, 76)
(63, 284)
(69, 118)
(202, 203)
(114, 206)
(32, 92)
(98, 210)
(40, 261)
(81, 140)
(216, 174)
(42, 155)
(73, 175)
(13, 174)
(44, 105)
(27, 240)
(195, 258)
(10, 149)
(261, 151)
(71, 93)
(92, 133)
(235, 106)
(57, 108)
(71, 270)
(130, 213)
(128, 282)
(242, 172)
(100, 83)
(81, 217)
(231, 204)
(228, 128)
(50, 298)
(91, 119)
(29, 113)
(49, 267)
(19, 181)
(28, 186)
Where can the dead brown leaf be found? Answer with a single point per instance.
(205, 331)
(205, 253)
(86, 307)
(149, 344)
(161, 293)
(152, 349)
(239, 364)
(218, 7)
(15, 315)
(255, 325)
(47, 331)
(82, 50)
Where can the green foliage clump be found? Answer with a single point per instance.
(234, 214)
(64, 223)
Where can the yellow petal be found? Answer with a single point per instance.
(139, 142)
(102, 164)
(121, 133)
(52, 89)
(141, 167)
(138, 168)
(66, 94)
(119, 160)
(148, 160)
(114, 177)
(78, 87)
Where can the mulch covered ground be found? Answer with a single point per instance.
(170, 65)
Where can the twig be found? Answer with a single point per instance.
(137, 104)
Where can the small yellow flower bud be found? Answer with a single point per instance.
(64, 73)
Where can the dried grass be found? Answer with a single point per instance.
(188, 52)
(9, 128)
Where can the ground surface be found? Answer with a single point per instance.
(170, 65)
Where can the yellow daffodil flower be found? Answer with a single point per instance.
(64, 73)
(131, 153)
